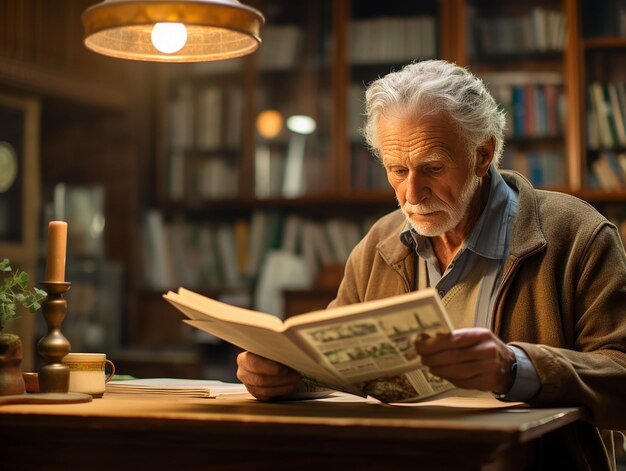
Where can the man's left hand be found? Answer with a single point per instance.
(472, 358)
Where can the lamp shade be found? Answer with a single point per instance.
(212, 29)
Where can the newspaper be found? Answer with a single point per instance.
(365, 349)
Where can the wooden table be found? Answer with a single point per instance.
(142, 432)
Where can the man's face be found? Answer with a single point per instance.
(428, 167)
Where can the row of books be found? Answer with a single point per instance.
(389, 39)
(197, 178)
(368, 172)
(605, 18)
(544, 169)
(606, 115)
(281, 47)
(205, 119)
(295, 169)
(281, 171)
(540, 30)
(608, 171)
(231, 254)
(534, 102)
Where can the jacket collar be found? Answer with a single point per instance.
(391, 248)
(526, 234)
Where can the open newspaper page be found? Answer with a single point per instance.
(365, 348)
(377, 354)
(257, 332)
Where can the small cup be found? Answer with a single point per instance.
(87, 372)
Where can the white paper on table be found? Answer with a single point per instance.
(175, 386)
(467, 399)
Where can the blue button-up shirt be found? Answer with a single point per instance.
(488, 240)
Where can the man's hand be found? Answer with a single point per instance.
(472, 358)
(264, 378)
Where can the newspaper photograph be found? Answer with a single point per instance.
(360, 350)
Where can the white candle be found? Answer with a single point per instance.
(57, 243)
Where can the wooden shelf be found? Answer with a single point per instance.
(595, 196)
(51, 82)
(608, 42)
(526, 56)
(521, 140)
(310, 204)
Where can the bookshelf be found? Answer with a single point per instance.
(602, 56)
(299, 71)
(519, 50)
(381, 39)
(316, 59)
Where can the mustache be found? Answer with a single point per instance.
(424, 208)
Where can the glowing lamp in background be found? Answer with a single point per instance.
(301, 124)
(269, 124)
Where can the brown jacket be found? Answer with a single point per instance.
(562, 300)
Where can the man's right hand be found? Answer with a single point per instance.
(263, 378)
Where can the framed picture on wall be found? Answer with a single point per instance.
(19, 178)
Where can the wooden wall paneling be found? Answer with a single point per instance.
(23, 253)
(340, 79)
(574, 90)
(246, 159)
(453, 31)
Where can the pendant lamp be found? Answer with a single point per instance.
(172, 31)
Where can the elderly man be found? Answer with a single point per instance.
(534, 281)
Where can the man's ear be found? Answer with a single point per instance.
(484, 156)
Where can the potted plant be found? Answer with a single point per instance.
(14, 293)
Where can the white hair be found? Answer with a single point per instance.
(426, 87)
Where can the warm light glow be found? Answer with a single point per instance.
(169, 38)
(301, 124)
(269, 123)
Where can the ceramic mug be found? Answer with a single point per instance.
(87, 372)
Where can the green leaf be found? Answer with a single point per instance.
(5, 265)
(34, 307)
(22, 279)
(14, 292)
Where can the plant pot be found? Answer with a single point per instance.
(11, 381)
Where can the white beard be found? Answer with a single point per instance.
(452, 214)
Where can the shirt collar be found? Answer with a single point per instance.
(489, 237)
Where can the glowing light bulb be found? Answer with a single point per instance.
(169, 38)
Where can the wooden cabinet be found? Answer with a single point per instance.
(602, 56)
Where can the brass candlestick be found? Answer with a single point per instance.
(54, 376)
